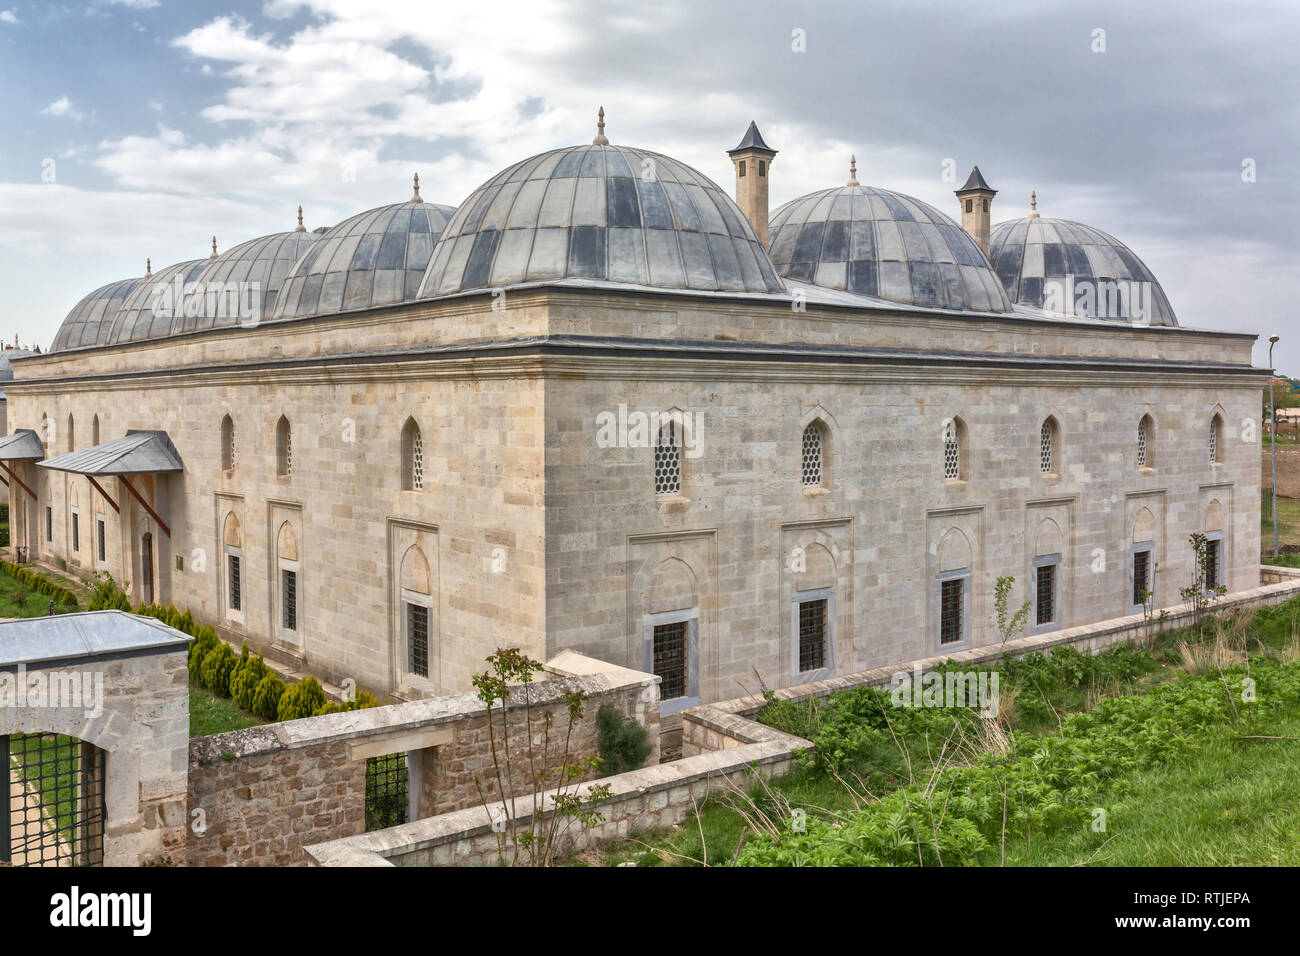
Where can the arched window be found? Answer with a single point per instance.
(72, 446)
(1049, 441)
(227, 443)
(1216, 439)
(814, 458)
(283, 448)
(46, 430)
(233, 546)
(417, 612)
(94, 431)
(953, 436)
(412, 457)
(1146, 442)
(668, 458)
(287, 554)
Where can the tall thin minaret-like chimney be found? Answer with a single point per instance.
(753, 161)
(976, 197)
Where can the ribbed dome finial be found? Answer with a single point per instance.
(214, 248)
(415, 196)
(600, 139)
(300, 227)
(1033, 204)
(853, 171)
(148, 268)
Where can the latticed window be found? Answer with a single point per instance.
(417, 639)
(1213, 563)
(1141, 576)
(289, 599)
(387, 783)
(412, 457)
(950, 611)
(812, 635)
(812, 456)
(668, 461)
(1045, 605)
(1215, 424)
(227, 443)
(283, 448)
(951, 451)
(670, 645)
(1045, 448)
(1143, 438)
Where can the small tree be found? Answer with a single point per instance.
(1200, 597)
(1153, 622)
(533, 842)
(1009, 625)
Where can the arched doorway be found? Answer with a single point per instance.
(53, 809)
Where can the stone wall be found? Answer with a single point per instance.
(261, 794)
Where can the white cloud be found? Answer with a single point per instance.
(63, 107)
(9, 16)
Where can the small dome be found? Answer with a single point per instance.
(91, 320)
(6, 366)
(138, 318)
(246, 277)
(604, 214)
(375, 258)
(1034, 257)
(883, 244)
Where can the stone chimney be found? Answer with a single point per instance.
(975, 198)
(753, 161)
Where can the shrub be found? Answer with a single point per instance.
(622, 744)
(360, 702)
(266, 699)
(301, 700)
(216, 669)
(61, 594)
(206, 643)
(244, 681)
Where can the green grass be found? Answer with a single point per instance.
(210, 714)
(1288, 523)
(32, 604)
(51, 770)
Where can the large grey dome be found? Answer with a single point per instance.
(375, 258)
(143, 314)
(883, 244)
(1034, 256)
(253, 271)
(601, 213)
(91, 320)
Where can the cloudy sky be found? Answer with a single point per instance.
(140, 128)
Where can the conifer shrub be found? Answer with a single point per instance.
(622, 744)
(244, 681)
(266, 698)
(301, 700)
(216, 669)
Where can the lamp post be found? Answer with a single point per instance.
(1272, 435)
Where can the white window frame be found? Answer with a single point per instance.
(691, 617)
(228, 552)
(409, 677)
(964, 575)
(802, 597)
(1044, 561)
(1134, 549)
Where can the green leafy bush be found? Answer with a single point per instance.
(361, 701)
(266, 699)
(301, 700)
(244, 681)
(207, 641)
(216, 669)
(622, 744)
(37, 582)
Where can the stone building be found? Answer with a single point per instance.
(590, 407)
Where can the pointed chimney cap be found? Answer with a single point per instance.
(1033, 204)
(853, 171)
(975, 183)
(214, 248)
(415, 196)
(300, 227)
(752, 142)
(600, 139)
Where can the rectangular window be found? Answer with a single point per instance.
(742, 168)
(289, 599)
(76, 532)
(670, 643)
(812, 635)
(951, 620)
(417, 639)
(103, 548)
(232, 565)
(1045, 594)
(1213, 563)
(1141, 577)
(49, 523)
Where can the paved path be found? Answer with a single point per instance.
(25, 817)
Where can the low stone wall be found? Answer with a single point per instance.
(258, 795)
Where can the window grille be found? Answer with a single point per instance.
(1213, 556)
(670, 645)
(1045, 612)
(812, 635)
(812, 456)
(49, 523)
(950, 612)
(1141, 576)
(76, 532)
(951, 452)
(668, 461)
(1045, 448)
(232, 562)
(1142, 443)
(289, 595)
(102, 547)
(417, 638)
(387, 779)
(55, 815)
(227, 443)
(1214, 439)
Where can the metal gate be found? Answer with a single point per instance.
(54, 798)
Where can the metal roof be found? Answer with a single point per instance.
(752, 142)
(84, 635)
(975, 181)
(23, 445)
(140, 452)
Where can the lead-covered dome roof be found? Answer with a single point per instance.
(91, 320)
(244, 279)
(375, 258)
(1034, 257)
(883, 244)
(145, 314)
(601, 213)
